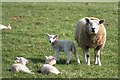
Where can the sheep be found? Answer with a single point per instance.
(20, 65)
(48, 66)
(5, 27)
(64, 46)
(90, 33)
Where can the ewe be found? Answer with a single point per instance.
(90, 33)
(48, 66)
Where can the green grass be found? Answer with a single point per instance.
(30, 22)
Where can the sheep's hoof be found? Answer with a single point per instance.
(99, 64)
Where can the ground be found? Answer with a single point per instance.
(31, 21)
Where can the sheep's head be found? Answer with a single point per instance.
(51, 38)
(21, 60)
(50, 60)
(93, 25)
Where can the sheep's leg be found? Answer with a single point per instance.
(56, 55)
(68, 57)
(97, 57)
(96, 60)
(86, 56)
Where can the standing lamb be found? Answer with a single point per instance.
(90, 33)
(64, 46)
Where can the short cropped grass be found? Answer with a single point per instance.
(31, 21)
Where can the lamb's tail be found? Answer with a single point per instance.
(74, 48)
(75, 53)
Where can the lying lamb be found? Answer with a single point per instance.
(4, 27)
(90, 33)
(48, 66)
(20, 65)
(64, 46)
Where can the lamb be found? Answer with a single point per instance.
(20, 65)
(90, 33)
(64, 46)
(4, 27)
(48, 66)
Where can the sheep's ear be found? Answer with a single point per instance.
(101, 21)
(87, 20)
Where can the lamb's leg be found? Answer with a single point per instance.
(75, 54)
(68, 57)
(56, 55)
(97, 57)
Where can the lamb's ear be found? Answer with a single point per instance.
(46, 57)
(55, 36)
(87, 20)
(101, 21)
(16, 58)
(47, 34)
(9, 26)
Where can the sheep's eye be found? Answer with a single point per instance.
(90, 24)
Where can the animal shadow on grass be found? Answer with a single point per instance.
(63, 62)
(37, 60)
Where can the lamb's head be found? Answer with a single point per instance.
(52, 38)
(50, 60)
(9, 27)
(21, 60)
(93, 25)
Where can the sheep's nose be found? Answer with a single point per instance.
(93, 29)
(50, 41)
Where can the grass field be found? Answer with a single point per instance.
(30, 22)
